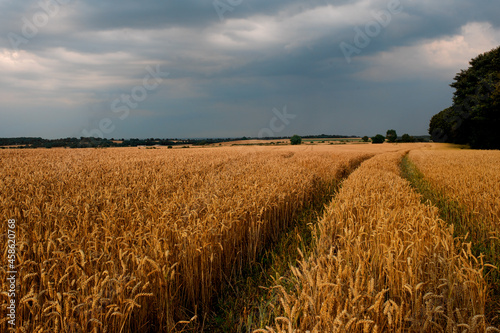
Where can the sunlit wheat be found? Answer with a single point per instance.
(128, 240)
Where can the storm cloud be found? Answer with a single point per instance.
(219, 68)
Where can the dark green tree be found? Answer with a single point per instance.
(439, 127)
(295, 140)
(365, 138)
(407, 138)
(379, 138)
(474, 117)
(391, 135)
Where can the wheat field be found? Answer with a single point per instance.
(144, 240)
(129, 239)
(469, 177)
(384, 262)
(466, 186)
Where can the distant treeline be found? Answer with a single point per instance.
(326, 136)
(91, 142)
(83, 142)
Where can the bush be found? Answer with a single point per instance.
(379, 138)
(296, 140)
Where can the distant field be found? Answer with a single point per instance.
(144, 240)
(287, 141)
(326, 140)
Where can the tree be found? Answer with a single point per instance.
(474, 117)
(439, 127)
(295, 140)
(365, 138)
(379, 138)
(407, 138)
(391, 135)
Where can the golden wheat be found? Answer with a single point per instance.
(129, 239)
(384, 262)
(470, 177)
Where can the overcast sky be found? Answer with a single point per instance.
(232, 68)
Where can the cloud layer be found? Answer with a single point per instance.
(223, 66)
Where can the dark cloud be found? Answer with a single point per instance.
(229, 69)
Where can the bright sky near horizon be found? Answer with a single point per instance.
(232, 68)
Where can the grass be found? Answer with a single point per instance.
(469, 227)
